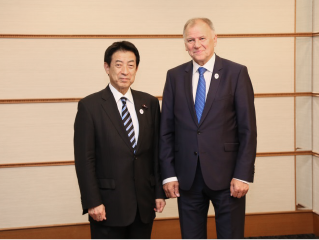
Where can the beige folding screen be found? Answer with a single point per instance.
(52, 55)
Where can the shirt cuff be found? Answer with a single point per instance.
(242, 181)
(171, 179)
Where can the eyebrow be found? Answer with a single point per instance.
(122, 61)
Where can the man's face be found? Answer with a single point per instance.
(200, 41)
(122, 70)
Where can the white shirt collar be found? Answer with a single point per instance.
(117, 95)
(209, 65)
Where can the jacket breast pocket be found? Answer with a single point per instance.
(231, 147)
(106, 183)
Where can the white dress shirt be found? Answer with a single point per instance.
(130, 107)
(209, 66)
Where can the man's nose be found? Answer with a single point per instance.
(124, 70)
(197, 44)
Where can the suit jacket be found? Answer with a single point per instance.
(224, 140)
(108, 171)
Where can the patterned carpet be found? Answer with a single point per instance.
(300, 236)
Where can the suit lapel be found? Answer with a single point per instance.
(212, 88)
(110, 107)
(188, 76)
(138, 102)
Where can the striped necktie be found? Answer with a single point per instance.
(128, 124)
(200, 94)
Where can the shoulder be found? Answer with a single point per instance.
(230, 64)
(181, 68)
(145, 98)
(92, 98)
(144, 95)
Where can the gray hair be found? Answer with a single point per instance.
(192, 22)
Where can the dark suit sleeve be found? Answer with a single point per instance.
(159, 192)
(167, 131)
(247, 131)
(84, 153)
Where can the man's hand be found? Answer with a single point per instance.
(238, 188)
(98, 213)
(160, 204)
(171, 189)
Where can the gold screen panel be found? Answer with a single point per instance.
(40, 132)
(303, 123)
(304, 184)
(142, 17)
(273, 188)
(315, 16)
(303, 64)
(73, 68)
(304, 15)
(270, 61)
(315, 124)
(275, 124)
(316, 184)
(315, 69)
(38, 196)
(43, 132)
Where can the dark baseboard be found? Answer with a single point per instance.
(290, 223)
(316, 224)
(257, 224)
(79, 231)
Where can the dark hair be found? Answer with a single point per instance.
(120, 46)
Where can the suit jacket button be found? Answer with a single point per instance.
(195, 153)
(198, 132)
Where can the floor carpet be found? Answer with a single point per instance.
(289, 237)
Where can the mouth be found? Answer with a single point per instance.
(197, 52)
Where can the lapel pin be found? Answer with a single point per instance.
(144, 106)
(216, 75)
(141, 111)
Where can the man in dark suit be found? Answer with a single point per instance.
(116, 135)
(208, 136)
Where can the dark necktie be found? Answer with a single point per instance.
(200, 94)
(128, 124)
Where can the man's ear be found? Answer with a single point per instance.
(215, 40)
(107, 68)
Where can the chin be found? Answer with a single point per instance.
(125, 84)
(197, 58)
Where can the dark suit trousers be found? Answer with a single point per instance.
(193, 208)
(136, 230)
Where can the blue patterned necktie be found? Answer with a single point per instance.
(128, 124)
(200, 94)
